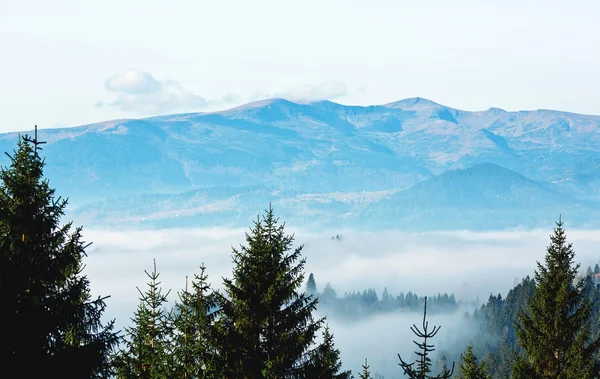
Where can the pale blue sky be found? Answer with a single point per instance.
(66, 63)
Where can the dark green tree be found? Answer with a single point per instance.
(311, 285)
(146, 352)
(192, 345)
(48, 320)
(555, 333)
(365, 374)
(469, 367)
(596, 269)
(325, 361)
(264, 322)
(423, 364)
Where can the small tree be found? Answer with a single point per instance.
(325, 361)
(311, 285)
(146, 353)
(469, 367)
(365, 374)
(192, 323)
(424, 362)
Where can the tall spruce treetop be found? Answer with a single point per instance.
(48, 322)
(264, 320)
(555, 333)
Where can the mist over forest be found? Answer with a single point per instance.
(466, 266)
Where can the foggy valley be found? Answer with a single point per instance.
(471, 265)
(296, 190)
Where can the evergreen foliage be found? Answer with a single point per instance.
(423, 364)
(469, 367)
(324, 362)
(147, 353)
(496, 340)
(555, 333)
(265, 326)
(48, 320)
(192, 326)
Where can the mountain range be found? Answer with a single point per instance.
(412, 164)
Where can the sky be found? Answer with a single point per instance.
(68, 62)
(467, 264)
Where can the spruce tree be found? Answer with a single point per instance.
(147, 347)
(423, 364)
(365, 374)
(264, 322)
(469, 367)
(325, 361)
(191, 324)
(49, 323)
(311, 285)
(554, 335)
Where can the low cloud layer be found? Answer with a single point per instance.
(464, 263)
(137, 91)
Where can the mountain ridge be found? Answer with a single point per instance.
(307, 153)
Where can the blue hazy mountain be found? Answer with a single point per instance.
(411, 164)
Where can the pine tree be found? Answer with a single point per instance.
(49, 324)
(311, 285)
(424, 363)
(263, 321)
(325, 361)
(555, 333)
(365, 374)
(192, 322)
(469, 367)
(146, 354)
(596, 269)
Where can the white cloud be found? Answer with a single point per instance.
(133, 82)
(138, 91)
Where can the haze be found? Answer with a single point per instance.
(464, 263)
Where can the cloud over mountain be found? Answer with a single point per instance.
(138, 91)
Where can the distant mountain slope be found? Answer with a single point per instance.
(480, 197)
(327, 164)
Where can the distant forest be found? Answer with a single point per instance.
(356, 305)
(262, 324)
